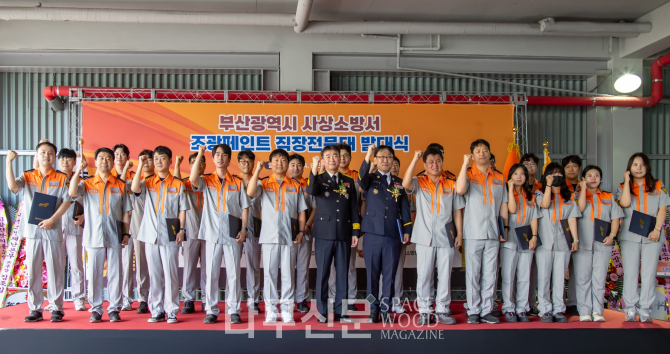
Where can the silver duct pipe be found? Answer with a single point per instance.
(302, 15)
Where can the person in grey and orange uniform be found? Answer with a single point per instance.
(106, 203)
(224, 200)
(437, 206)
(485, 202)
(640, 192)
(516, 261)
(572, 165)
(165, 199)
(593, 257)
(44, 242)
(557, 205)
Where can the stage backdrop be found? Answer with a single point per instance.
(298, 128)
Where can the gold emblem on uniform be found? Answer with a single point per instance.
(375, 191)
(395, 192)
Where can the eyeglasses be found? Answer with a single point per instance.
(245, 162)
(389, 157)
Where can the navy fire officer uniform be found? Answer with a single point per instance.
(335, 222)
(384, 218)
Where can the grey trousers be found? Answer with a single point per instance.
(73, 249)
(51, 253)
(163, 264)
(278, 258)
(590, 277)
(515, 264)
(94, 273)
(231, 256)
(551, 268)
(302, 268)
(427, 258)
(193, 251)
(639, 259)
(252, 254)
(481, 259)
(135, 247)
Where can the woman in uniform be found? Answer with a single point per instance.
(592, 259)
(640, 192)
(552, 257)
(515, 260)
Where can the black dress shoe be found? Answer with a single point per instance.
(374, 317)
(189, 307)
(572, 311)
(302, 306)
(33, 317)
(210, 319)
(95, 318)
(497, 313)
(256, 308)
(533, 311)
(235, 319)
(114, 316)
(322, 318)
(143, 308)
(57, 316)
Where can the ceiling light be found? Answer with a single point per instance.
(628, 83)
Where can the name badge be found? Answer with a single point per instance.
(607, 201)
(446, 190)
(347, 185)
(425, 189)
(271, 190)
(151, 189)
(653, 193)
(92, 191)
(232, 187)
(115, 190)
(290, 189)
(172, 190)
(398, 185)
(54, 184)
(474, 181)
(530, 204)
(211, 188)
(497, 182)
(34, 184)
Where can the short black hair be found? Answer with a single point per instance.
(396, 159)
(147, 152)
(225, 147)
(335, 148)
(246, 153)
(280, 152)
(103, 149)
(572, 158)
(384, 147)
(122, 146)
(192, 157)
(593, 167)
(479, 142)
(47, 143)
(297, 157)
(343, 146)
(436, 146)
(528, 157)
(163, 150)
(67, 154)
(432, 150)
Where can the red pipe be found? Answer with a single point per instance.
(52, 92)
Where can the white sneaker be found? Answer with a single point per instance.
(646, 318)
(271, 317)
(127, 305)
(79, 304)
(585, 318)
(287, 317)
(598, 317)
(398, 309)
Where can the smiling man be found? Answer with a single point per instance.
(44, 241)
(101, 231)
